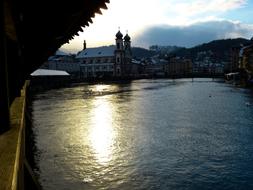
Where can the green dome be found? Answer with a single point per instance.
(127, 37)
(119, 35)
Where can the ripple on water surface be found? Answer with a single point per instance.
(146, 134)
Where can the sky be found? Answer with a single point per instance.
(168, 22)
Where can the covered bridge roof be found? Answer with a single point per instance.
(34, 30)
(47, 72)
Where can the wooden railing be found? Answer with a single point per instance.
(15, 172)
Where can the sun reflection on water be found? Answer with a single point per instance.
(100, 87)
(102, 134)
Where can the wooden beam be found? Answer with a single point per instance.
(4, 90)
(11, 147)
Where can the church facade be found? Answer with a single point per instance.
(246, 61)
(107, 61)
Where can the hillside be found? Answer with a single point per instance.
(164, 49)
(220, 48)
(139, 53)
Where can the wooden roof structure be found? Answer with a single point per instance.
(31, 31)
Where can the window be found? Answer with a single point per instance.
(118, 45)
(117, 59)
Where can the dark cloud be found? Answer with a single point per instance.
(192, 35)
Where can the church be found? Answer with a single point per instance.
(108, 61)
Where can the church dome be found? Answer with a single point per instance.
(119, 35)
(127, 37)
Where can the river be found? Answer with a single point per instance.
(145, 134)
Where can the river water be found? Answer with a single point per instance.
(145, 134)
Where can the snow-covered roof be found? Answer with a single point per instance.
(52, 58)
(104, 51)
(60, 52)
(135, 61)
(230, 74)
(46, 72)
(153, 61)
(163, 61)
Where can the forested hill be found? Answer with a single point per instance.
(139, 53)
(220, 48)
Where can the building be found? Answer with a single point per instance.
(178, 67)
(246, 61)
(96, 62)
(108, 61)
(154, 70)
(42, 79)
(234, 65)
(63, 62)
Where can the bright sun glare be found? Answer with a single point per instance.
(102, 134)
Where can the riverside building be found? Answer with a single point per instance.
(108, 61)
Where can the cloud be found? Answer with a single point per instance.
(184, 12)
(192, 35)
(196, 7)
(138, 15)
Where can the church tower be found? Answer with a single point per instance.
(119, 55)
(127, 48)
